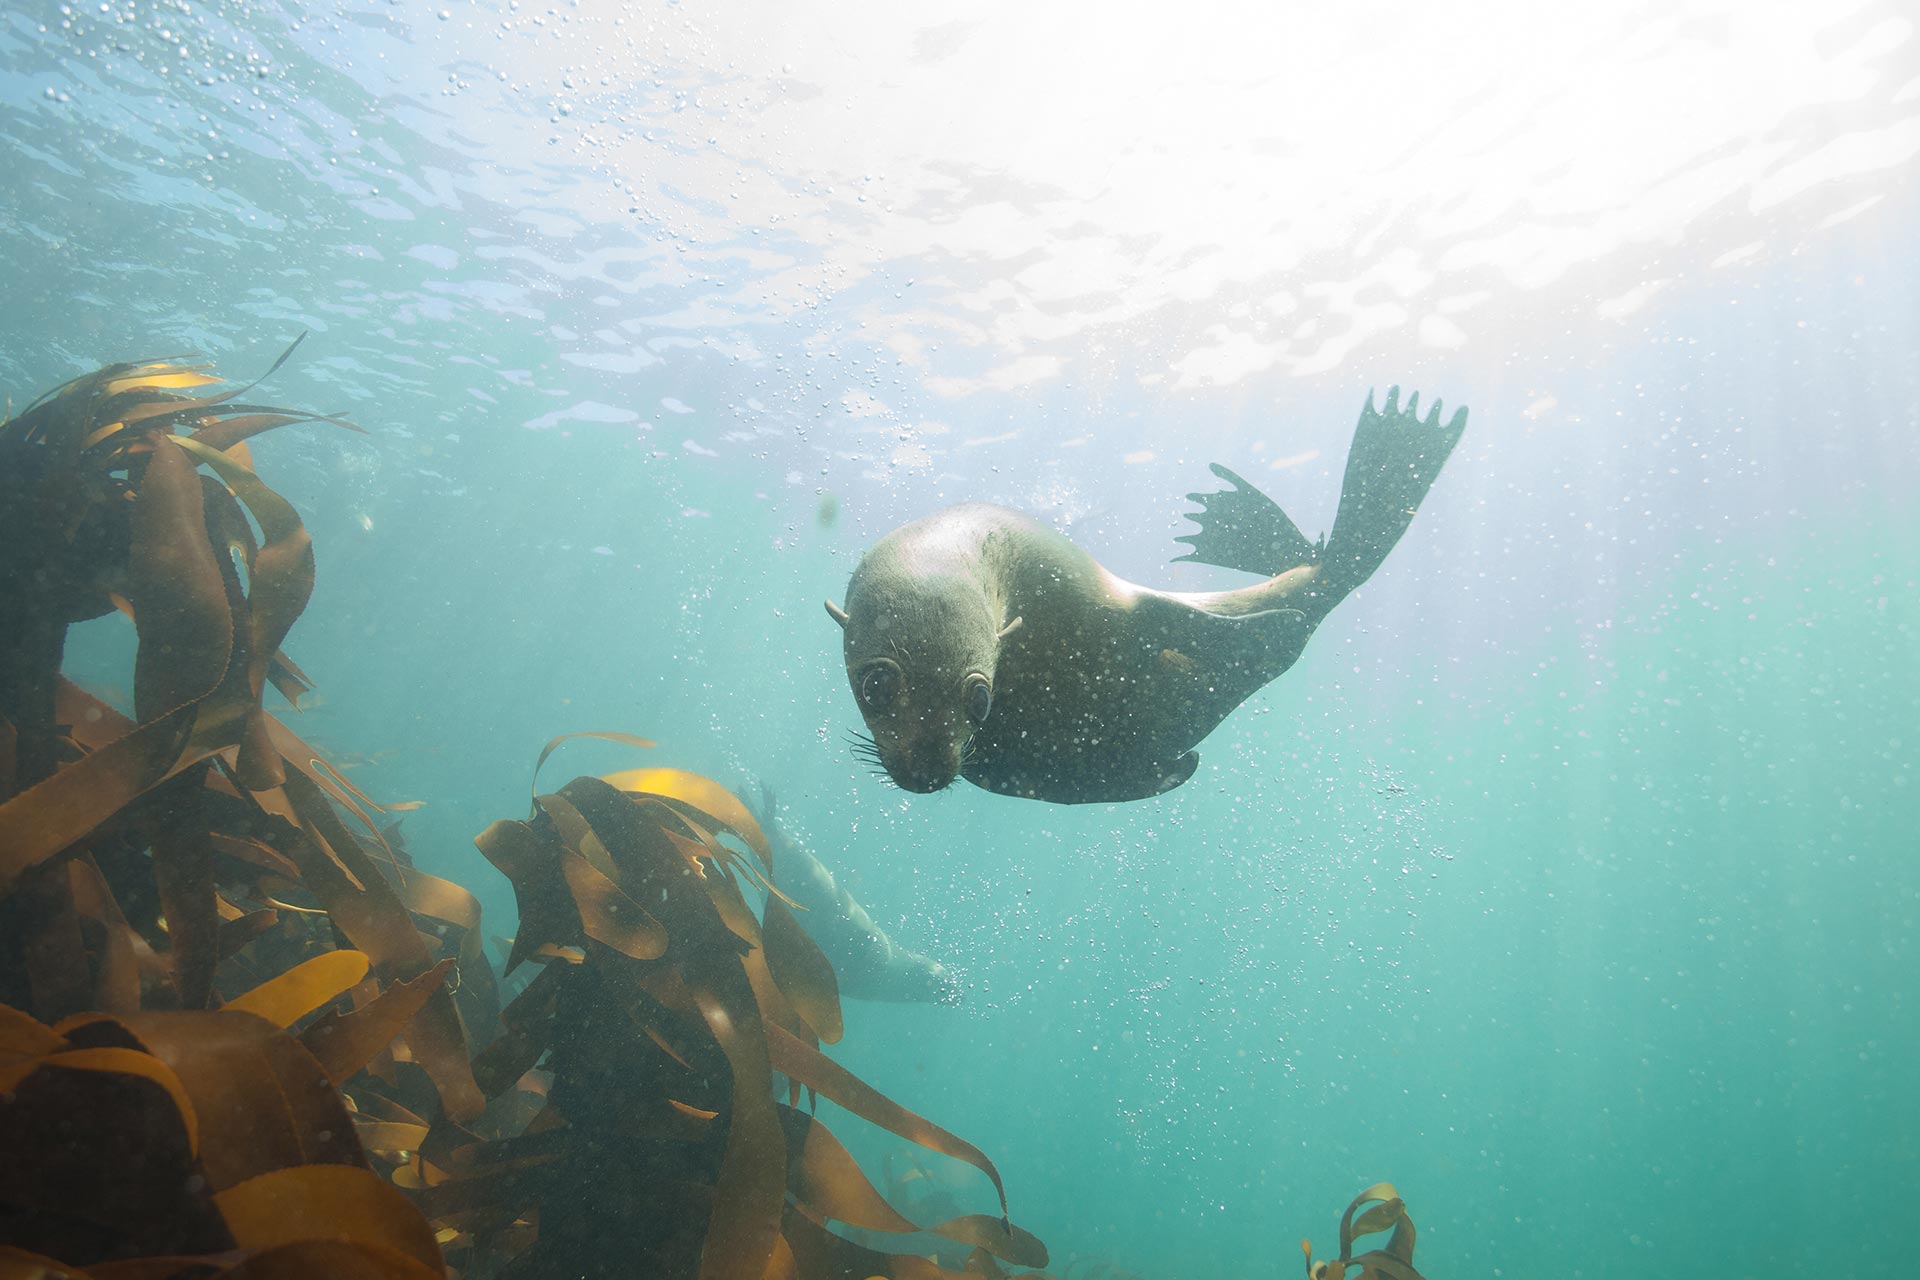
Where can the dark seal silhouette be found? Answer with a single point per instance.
(981, 644)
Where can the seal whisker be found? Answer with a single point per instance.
(867, 751)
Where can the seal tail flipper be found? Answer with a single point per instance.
(1392, 463)
(1242, 528)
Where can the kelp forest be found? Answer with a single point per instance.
(242, 1035)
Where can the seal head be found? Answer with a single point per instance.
(922, 638)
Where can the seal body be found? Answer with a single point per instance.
(867, 964)
(982, 644)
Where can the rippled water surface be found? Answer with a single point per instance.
(1570, 879)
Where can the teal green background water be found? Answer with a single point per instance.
(1569, 881)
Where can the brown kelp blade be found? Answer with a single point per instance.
(1400, 1244)
(704, 795)
(374, 919)
(609, 916)
(179, 600)
(281, 585)
(290, 680)
(819, 1252)
(23, 1039)
(824, 1180)
(1395, 1262)
(261, 1100)
(751, 1183)
(159, 378)
(321, 1201)
(344, 1043)
(605, 735)
(320, 1260)
(297, 752)
(802, 971)
(240, 932)
(547, 912)
(113, 947)
(50, 817)
(183, 871)
(291, 996)
(1377, 1219)
(796, 1059)
(100, 1159)
(129, 1062)
(226, 434)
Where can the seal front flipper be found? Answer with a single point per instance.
(1242, 528)
(1155, 779)
(1392, 463)
(1103, 786)
(1176, 773)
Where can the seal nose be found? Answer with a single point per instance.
(927, 769)
(924, 781)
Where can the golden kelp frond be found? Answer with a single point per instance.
(154, 868)
(238, 1042)
(139, 398)
(102, 504)
(104, 480)
(1393, 1262)
(664, 1011)
(204, 1143)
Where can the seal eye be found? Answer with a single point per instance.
(979, 697)
(879, 686)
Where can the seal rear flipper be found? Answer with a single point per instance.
(1242, 528)
(1393, 461)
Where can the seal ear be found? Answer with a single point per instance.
(838, 614)
(1010, 628)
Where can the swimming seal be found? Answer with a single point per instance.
(867, 964)
(981, 644)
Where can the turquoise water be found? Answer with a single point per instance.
(1569, 881)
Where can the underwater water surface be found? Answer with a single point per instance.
(1571, 879)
